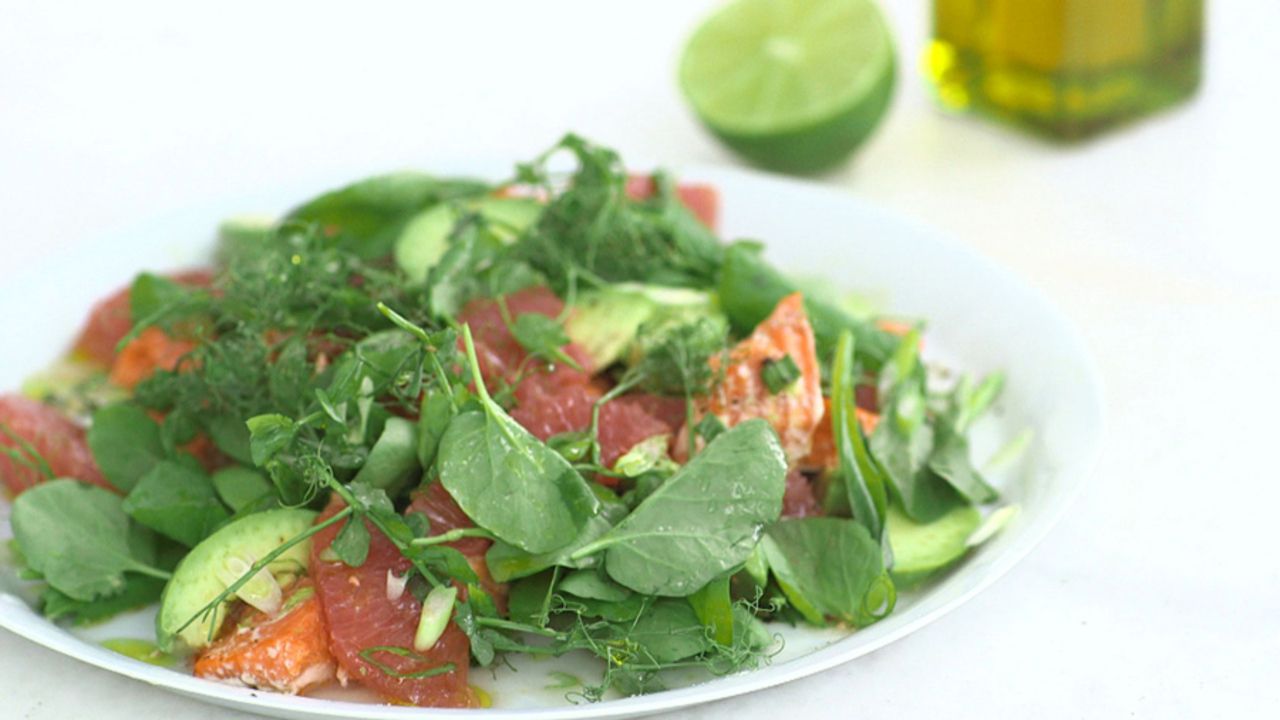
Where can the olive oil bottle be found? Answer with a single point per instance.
(1065, 68)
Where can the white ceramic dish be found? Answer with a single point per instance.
(983, 317)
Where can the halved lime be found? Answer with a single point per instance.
(792, 85)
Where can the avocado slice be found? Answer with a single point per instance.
(606, 321)
(425, 238)
(211, 566)
(922, 549)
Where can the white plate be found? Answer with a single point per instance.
(982, 316)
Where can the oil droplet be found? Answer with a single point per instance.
(483, 698)
(140, 650)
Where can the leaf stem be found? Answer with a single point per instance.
(474, 363)
(403, 323)
(144, 569)
(452, 535)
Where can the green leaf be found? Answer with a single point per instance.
(394, 457)
(592, 585)
(508, 481)
(669, 631)
(367, 217)
(177, 502)
(829, 567)
(507, 562)
(78, 537)
(951, 462)
(125, 443)
(703, 520)
(539, 334)
(240, 487)
(268, 435)
(863, 483)
(352, 543)
(511, 483)
(714, 609)
(138, 591)
(436, 413)
(152, 297)
(529, 599)
(457, 277)
(625, 610)
(923, 494)
(231, 436)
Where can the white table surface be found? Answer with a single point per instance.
(1157, 597)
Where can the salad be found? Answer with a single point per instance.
(419, 425)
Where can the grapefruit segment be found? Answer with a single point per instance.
(58, 440)
(362, 618)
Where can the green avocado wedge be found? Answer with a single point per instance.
(216, 562)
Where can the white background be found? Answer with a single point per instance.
(1157, 596)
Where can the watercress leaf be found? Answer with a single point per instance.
(373, 501)
(591, 585)
(538, 334)
(669, 631)
(702, 521)
(448, 561)
(240, 487)
(510, 483)
(507, 562)
(618, 611)
(393, 461)
(352, 543)
(367, 217)
(77, 537)
(125, 443)
(436, 413)
(714, 609)
(268, 435)
(457, 277)
(177, 502)
(138, 591)
(950, 461)
(750, 288)
(529, 598)
(178, 428)
(230, 434)
(827, 567)
(922, 493)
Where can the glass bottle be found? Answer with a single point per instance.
(1065, 68)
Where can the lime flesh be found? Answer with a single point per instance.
(791, 85)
